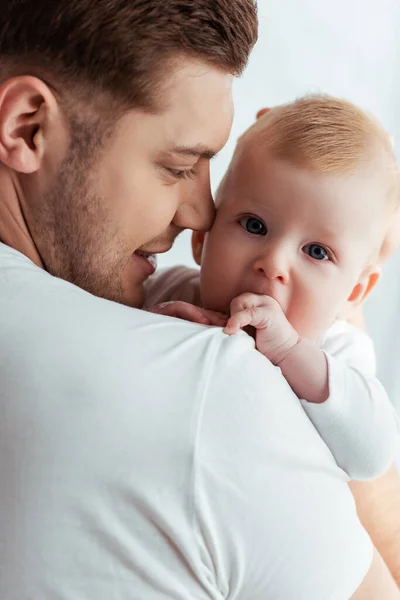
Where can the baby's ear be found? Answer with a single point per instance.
(198, 238)
(368, 280)
(262, 112)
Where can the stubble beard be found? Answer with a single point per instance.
(76, 237)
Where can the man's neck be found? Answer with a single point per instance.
(14, 231)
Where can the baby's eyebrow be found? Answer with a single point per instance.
(330, 233)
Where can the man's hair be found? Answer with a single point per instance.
(329, 135)
(122, 47)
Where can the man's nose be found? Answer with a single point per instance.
(196, 210)
(273, 263)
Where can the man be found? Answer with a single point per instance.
(139, 456)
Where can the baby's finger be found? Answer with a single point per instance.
(250, 301)
(258, 317)
(238, 321)
(245, 301)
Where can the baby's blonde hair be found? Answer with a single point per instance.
(329, 135)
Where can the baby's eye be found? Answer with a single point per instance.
(316, 252)
(253, 225)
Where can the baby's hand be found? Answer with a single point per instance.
(189, 312)
(275, 336)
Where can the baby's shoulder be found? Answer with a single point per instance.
(175, 283)
(350, 344)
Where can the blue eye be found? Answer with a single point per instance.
(253, 225)
(317, 252)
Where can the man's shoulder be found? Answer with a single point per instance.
(249, 392)
(43, 314)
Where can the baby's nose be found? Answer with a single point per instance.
(274, 265)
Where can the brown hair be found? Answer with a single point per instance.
(121, 47)
(329, 135)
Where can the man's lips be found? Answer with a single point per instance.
(147, 260)
(150, 256)
(155, 250)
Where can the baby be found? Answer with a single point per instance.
(302, 214)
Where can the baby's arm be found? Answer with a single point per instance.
(174, 284)
(342, 397)
(175, 293)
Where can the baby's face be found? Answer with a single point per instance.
(301, 237)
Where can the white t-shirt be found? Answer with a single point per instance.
(147, 458)
(357, 421)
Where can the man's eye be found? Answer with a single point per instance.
(316, 252)
(253, 225)
(181, 173)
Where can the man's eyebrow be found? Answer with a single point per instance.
(198, 151)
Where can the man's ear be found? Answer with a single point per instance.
(26, 105)
(368, 280)
(262, 112)
(198, 238)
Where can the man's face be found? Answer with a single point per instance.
(303, 238)
(98, 226)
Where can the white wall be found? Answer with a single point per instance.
(347, 48)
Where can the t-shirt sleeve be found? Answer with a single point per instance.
(357, 421)
(274, 516)
(176, 283)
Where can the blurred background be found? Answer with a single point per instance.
(347, 48)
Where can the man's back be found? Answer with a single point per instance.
(145, 457)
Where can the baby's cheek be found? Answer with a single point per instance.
(214, 298)
(214, 293)
(308, 319)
